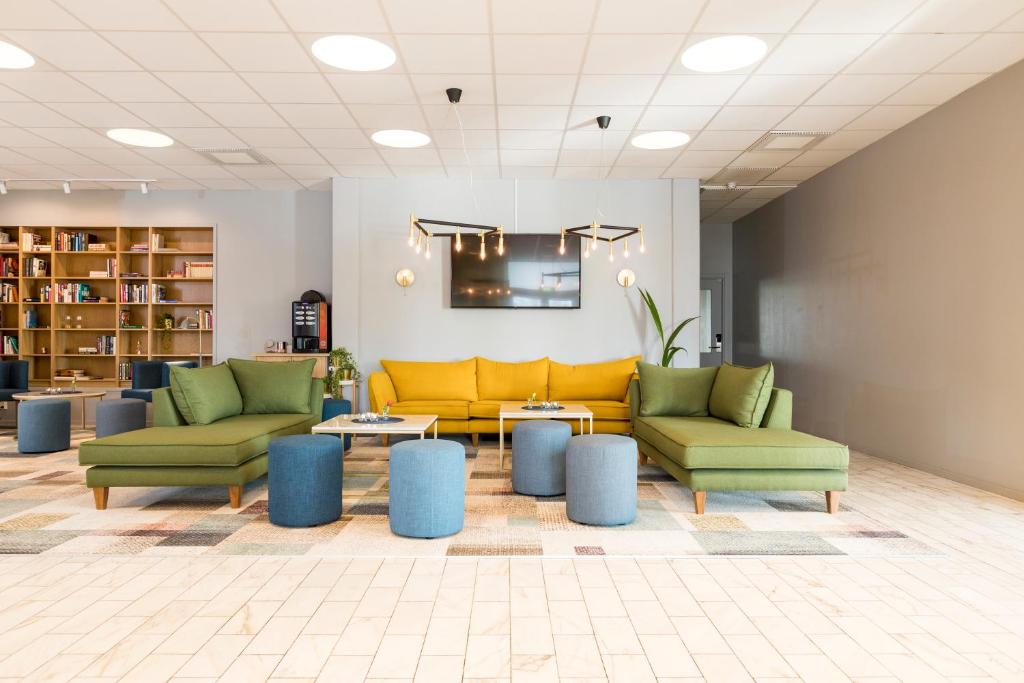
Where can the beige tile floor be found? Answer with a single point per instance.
(955, 616)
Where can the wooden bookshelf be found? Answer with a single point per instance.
(64, 326)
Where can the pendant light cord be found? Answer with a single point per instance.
(469, 164)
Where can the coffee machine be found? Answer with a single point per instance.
(311, 324)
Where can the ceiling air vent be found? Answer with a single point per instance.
(788, 140)
(233, 156)
(742, 175)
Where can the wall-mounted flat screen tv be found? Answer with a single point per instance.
(530, 274)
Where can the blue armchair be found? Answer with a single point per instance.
(13, 378)
(148, 375)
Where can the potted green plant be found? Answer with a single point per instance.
(668, 351)
(341, 366)
(164, 325)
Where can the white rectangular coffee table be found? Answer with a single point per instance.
(410, 424)
(515, 411)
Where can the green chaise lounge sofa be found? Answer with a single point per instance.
(707, 453)
(230, 452)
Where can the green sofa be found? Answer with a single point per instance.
(709, 454)
(229, 452)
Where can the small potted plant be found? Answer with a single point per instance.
(386, 410)
(341, 367)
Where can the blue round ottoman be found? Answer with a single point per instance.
(304, 480)
(333, 407)
(44, 425)
(600, 479)
(538, 457)
(427, 488)
(120, 415)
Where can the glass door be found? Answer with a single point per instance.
(711, 321)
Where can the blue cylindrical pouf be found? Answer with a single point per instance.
(538, 457)
(304, 480)
(120, 415)
(44, 425)
(600, 479)
(427, 488)
(334, 407)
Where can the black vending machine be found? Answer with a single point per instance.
(311, 324)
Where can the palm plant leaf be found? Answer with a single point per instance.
(679, 328)
(655, 316)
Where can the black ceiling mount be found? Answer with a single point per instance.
(603, 122)
(454, 95)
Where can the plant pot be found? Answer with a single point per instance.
(346, 374)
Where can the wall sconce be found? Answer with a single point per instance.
(405, 278)
(625, 278)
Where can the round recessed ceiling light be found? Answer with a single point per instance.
(13, 57)
(400, 138)
(353, 53)
(660, 139)
(725, 53)
(139, 138)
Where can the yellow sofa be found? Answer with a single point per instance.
(466, 395)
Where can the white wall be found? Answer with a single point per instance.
(376, 319)
(271, 246)
(887, 290)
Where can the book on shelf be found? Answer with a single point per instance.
(133, 294)
(8, 293)
(30, 319)
(199, 269)
(30, 241)
(74, 292)
(159, 292)
(204, 318)
(98, 246)
(36, 267)
(68, 373)
(9, 267)
(8, 246)
(139, 247)
(74, 241)
(124, 370)
(45, 294)
(156, 241)
(10, 344)
(78, 378)
(110, 271)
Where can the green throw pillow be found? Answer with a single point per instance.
(681, 392)
(741, 394)
(205, 395)
(274, 386)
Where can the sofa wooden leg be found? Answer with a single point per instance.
(100, 494)
(383, 439)
(476, 440)
(235, 495)
(698, 501)
(832, 501)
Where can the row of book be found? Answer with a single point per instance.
(199, 269)
(74, 241)
(124, 370)
(30, 241)
(8, 293)
(36, 267)
(9, 267)
(10, 345)
(133, 294)
(30, 318)
(110, 269)
(204, 318)
(73, 292)
(106, 344)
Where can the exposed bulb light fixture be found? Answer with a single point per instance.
(353, 53)
(137, 137)
(611, 253)
(458, 239)
(403, 139)
(586, 251)
(13, 57)
(483, 248)
(419, 242)
(724, 53)
(67, 187)
(660, 139)
(426, 254)
(501, 241)
(561, 243)
(643, 245)
(625, 248)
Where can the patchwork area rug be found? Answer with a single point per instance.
(46, 508)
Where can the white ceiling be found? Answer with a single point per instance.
(226, 73)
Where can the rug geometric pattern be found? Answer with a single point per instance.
(46, 508)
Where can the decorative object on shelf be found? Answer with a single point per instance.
(668, 351)
(164, 326)
(626, 277)
(420, 237)
(405, 278)
(377, 418)
(341, 367)
(590, 235)
(385, 410)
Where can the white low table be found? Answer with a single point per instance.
(515, 411)
(67, 395)
(410, 424)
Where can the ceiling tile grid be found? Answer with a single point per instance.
(535, 74)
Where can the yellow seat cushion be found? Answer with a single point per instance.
(511, 381)
(423, 381)
(454, 410)
(488, 408)
(603, 410)
(595, 381)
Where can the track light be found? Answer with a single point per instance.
(3, 187)
(67, 187)
(144, 188)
